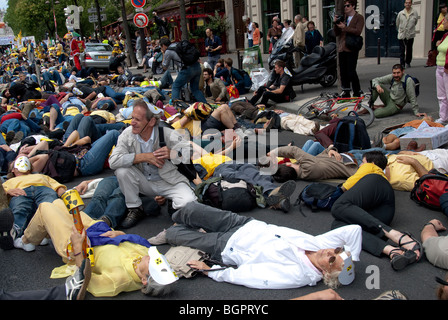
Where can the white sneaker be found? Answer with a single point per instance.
(159, 239)
(45, 242)
(77, 91)
(18, 243)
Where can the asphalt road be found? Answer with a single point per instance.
(27, 271)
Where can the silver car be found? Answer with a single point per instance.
(96, 55)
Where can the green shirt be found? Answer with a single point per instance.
(398, 94)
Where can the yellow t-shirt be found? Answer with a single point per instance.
(34, 179)
(194, 127)
(109, 116)
(364, 169)
(403, 176)
(71, 111)
(210, 162)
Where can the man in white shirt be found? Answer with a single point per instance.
(250, 32)
(266, 256)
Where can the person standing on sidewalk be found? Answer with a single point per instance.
(250, 33)
(352, 24)
(442, 75)
(213, 46)
(406, 21)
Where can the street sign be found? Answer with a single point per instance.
(141, 20)
(138, 3)
(93, 10)
(94, 18)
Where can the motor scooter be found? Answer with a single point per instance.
(319, 67)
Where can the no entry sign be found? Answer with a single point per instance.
(138, 3)
(141, 20)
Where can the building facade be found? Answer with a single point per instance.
(380, 33)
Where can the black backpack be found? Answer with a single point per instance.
(318, 195)
(60, 166)
(186, 51)
(246, 78)
(231, 194)
(48, 86)
(351, 133)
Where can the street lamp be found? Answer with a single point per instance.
(54, 16)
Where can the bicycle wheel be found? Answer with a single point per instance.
(308, 111)
(363, 111)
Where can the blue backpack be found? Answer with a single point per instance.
(319, 196)
(351, 133)
(416, 81)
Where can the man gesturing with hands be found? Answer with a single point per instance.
(143, 166)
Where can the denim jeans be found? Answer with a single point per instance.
(71, 101)
(87, 127)
(192, 75)
(359, 154)
(52, 75)
(313, 147)
(26, 126)
(93, 161)
(166, 80)
(24, 207)
(117, 96)
(108, 200)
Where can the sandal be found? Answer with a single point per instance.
(400, 261)
(418, 246)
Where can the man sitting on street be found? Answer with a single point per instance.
(394, 90)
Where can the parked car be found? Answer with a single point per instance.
(96, 55)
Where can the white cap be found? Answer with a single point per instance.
(347, 274)
(153, 108)
(170, 119)
(159, 268)
(22, 164)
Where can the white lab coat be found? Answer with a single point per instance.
(273, 257)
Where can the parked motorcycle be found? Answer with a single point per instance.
(318, 67)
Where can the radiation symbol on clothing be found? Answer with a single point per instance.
(158, 261)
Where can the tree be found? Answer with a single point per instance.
(127, 32)
(183, 20)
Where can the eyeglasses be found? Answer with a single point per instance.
(347, 5)
(337, 251)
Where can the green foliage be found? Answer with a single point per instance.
(219, 25)
(35, 17)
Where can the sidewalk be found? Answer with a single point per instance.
(368, 68)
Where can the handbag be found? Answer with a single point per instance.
(353, 42)
(432, 56)
(179, 256)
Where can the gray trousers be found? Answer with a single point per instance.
(54, 293)
(220, 225)
(133, 182)
(247, 172)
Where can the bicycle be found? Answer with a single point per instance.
(327, 103)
